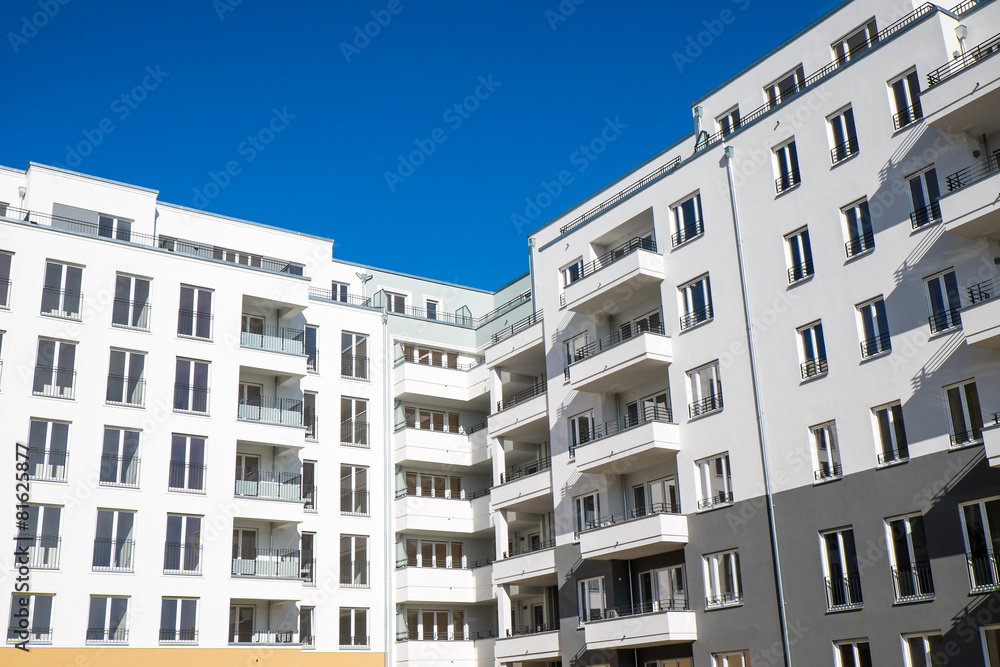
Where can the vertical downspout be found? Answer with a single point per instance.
(389, 481)
(769, 499)
(531, 273)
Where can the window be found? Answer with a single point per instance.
(182, 546)
(120, 457)
(430, 485)
(874, 328)
(306, 622)
(656, 496)
(905, 94)
(581, 429)
(587, 511)
(855, 43)
(250, 402)
(858, 228)
(576, 348)
(187, 463)
(843, 135)
(309, 415)
(354, 355)
(662, 589)
(312, 348)
(924, 195)
(309, 486)
(991, 644)
(431, 309)
(354, 490)
(655, 407)
(729, 122)
(48, 444)
(687, 221)
(715, 482)
(179, 620)
(786, 165)
(5, 261)
(353, 628)
(353, 421)
(890, 434)
(30, 618)
(354, 561)
(591, 599)
(826, 451)
(572, 273)
(62, 294)
(440, 625)
(131, 305)
(236, 257)
(840, 563)
(114, 228)
(108, 619)
(431, 420)
(194, 315)
(429, 357)
(126, 383)
(241, 624)
(731, 659)
(855, 653)
(798, 255)
(396, 303)
(55, 369)
(924, 649)
(429, 553)
(812, 350)
(981, 521)
(113, 545)
(339, 291)
(191, 386)
(723, 582)
(965, 417)
(705, 388)
(41, 535)
(695, 302)
(780, 90)
(908, 559)
(943, 302)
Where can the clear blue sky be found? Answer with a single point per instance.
(200, 77)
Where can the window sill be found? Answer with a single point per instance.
(791, 188)
(178, 411)
(915, 121)
(800, 281)
(965, 445)
(827, 480)
(687, 241)
(57, 316)
(926, 225)
(893, 463)
(125, 327)
(356, 379)
(858, 255)
(199, 492)
(59, 398)
(727, 605)
(846, 159)
(697, 325)
(913, 600)
(877, 355)
(708, 413)
(813, 378)
(944, 332)
(116, 404)
(846, 608)
(712, 508)
(189, 337)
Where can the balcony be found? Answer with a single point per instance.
(273, 564)
(632, 271)
(622, 446)
(468, 514)
(521, 346)
(695, 317)
(345, 299)
(969, 207)
(274, 349)
(264, 638)
(639, 532)
(828, 472)
(913, 583)
(844, 593)
(526, 488)
(800, 272)
(536, 642)
(444, 585)
(981, 319)
(908, 116)
(963, 94)
(534, 565)
(474, 648)
(426, 445)
(705, 406)
(984, 572)
(991, 441)
(442, 378)
(655, 623)
(271, 485)
(271, 410)
(945, 320)
(522, 415)
(689, 232)
(627, 358)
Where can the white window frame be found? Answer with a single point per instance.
(356, 430)
(358, 575)
(729, 121)
(926, 657)
(57, 372)
(844, 585)
(354, 613)
(44, 526)
(351, 343)
(787, 174)
(192, 386)
(571, 273)
(199, 322)
(798, 256)
(686, 216)
(122, 464)
(180, 635)
(854, 646)
(995, 631)
(910, 584)
(114, 227)
(947, 318)
(395, 302)
(707, 470)
(908, 80)
(130, 391)
(30, 633)
(311, 351)
(351, 478)
(339, 291)
(731, 659)
(892, 434)
(6, 273)
(982, 575)
(844, 146)
(194, 479)
(823, 438)
(189, 530)
(872, 315)
(841, 50)
(432, 308)
(580, 511)
(687, 297)
(66, 291)
(812, 350)
(105, 627)
(121, 558)
(712, 568)
(48, 463)
(578, 435)
(575, 347)
(585, 588)
(857, 240)
(130, 310)
(972, 433)
(924, 184)
(704, 383)
(773, 93)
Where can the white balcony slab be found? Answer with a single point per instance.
(626, 540)
(991, 443)
(527, 420)
(973, 211)
(448, 449)
(532, 493)
(632, 632)
(443, 515)
(444, 585)
(271, 435)
(537, 568)
(539, 646)
(630, 450)
(628, 364)
(981, 324)
(436, 653)
(523, 350)
(446, 385)
(607, 288)
(966, 101)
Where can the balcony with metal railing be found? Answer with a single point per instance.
(984, 571)
(466, 583)
(355, 574)
(427, 647)
(267, 563)
(182, 557)
(522, 414)
(962, 94)
(178, 636)
(264, 638)
(467, 513)
(908, 116)
(641, 531)
(859, 245)
(344, 299)
(696, 316)
(34, 635)
(43, 550)
(925, 215)
(688, 232)
(991, 440)
(828, 472)
(54, 382)
(533, 564)
(271, 410)
(443, 375)
(634, 267)
(945, 320)
(640, 625)
(706, 406)
(912, 583)
(438, 443)
(47, 465)
(527, 643)
(842, 151)
(113, 555)
(812, 368)
(893, 457)
(272, 338)
(787, 181)
(800, 272)
(127, 314)
(107, 635)
(355, 433)
(354, 502)
(354, 367)
(126, 391)
(980, 319)
(632, 355)
(967, 208)
(843, 593)
(186, 477)
(119, 471)
(63, 303)
(519, 348)
(631, 443)
(526, 487)
(876, 345)
(270, 485)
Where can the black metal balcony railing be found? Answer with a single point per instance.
(354, 433)
(449, 564)
(612, 256)
(35, 635)
(523, 297)
(925, 215)
(178, 636)
(650, 413)
(441, 636)
(270, 563)
(479, 427)
(444, 494)
(112, 555)
(188, 477)
(843, 592)
(973, 173)
(63, 303)
(907, 116)
(525, 470)
(127, 391)
(441, 362)
(913, 582)
(705, 406)
(689, 231)
(876, 345)
(984, 291)
(984, 571)
(195, 324)
(48, 465)
(946, 319)
(411, 421)
(355, 574)
(828, 471)
(536, 629)
(312, 359)
(787, 181)
(268, 484)
(842, 151)
(312, 426)
(894, 456)
(633, 514)
(348, 299)
(813, 367)
(191, 398)
(119, 470)
(130, 314)
(271, 338)
(696, 316)
(54, 382)
(354, 367)
(433, 314)
(263, 637)
(271, 410)
(968, 437)
(719, 499)
(622, 334)
(522, 396)
(859, 245)
(182, 558)
(973, 56)
(800, 272)
(724, 600)
(518, 326)
(43, 550)
(111, 635)
(355, 642)
(354, 503)
(652, 607)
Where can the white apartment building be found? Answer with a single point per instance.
(742, 410)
